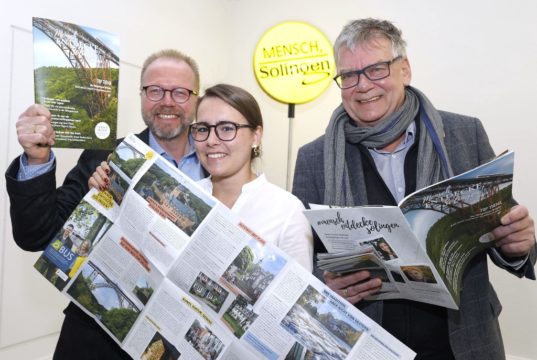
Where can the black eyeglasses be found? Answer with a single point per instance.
(179, 94)
(378, 71)
(225, 130)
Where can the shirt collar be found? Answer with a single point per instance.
(410, 135)
(153, 143)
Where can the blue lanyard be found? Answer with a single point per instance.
(436, 140)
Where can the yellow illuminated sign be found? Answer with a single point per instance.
(294, 62)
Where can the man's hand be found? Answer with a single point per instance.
(516, 236)
(35, 134)
(353, 287)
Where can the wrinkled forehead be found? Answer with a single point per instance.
(169, 68)
(360, 46)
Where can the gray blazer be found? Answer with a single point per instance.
(474, 332)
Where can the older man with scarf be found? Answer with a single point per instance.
(385, 141)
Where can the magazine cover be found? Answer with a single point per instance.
(76, 73)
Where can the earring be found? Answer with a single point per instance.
(256, 150)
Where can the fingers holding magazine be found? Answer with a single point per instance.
(516, 236)
(354, 286)
(100, 178)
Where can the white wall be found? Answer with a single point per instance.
(474, 57)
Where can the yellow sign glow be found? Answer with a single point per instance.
(294, 62)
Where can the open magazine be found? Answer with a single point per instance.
(76, 73)
(420, 248)
(169, 272)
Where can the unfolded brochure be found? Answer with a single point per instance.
(76, 73)
(169, 272)
(420, 248)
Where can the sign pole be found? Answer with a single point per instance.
(291, 116)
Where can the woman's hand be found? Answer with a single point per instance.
(99, 179)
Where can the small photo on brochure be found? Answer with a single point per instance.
(159, 348)
(252, 271)
(119, 184)
(124, 162)
(299, 352)
(173, 200)
(72, 244)
(143, 290)
(382, 249)
(208, 291)
(207, 344)
(98, 294)
(76, 76)
(239, 316)
(127, 159)
(419, 274)
(322, 327)
(397, 277)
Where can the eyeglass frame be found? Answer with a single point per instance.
(190, 92)
(363, 71)
(215, 126)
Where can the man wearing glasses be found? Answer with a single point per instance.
(383, 142)
(168, 92)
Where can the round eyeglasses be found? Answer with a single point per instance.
(224, 130)
(179, 94)
(378, 71)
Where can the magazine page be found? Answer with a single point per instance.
(378, 239)
(76, 72)
(73, 244)
(171, 270)
(420, 248)
(174, 326)
(262, 297)
(317, 323)
(452, 219)
(164, 205)
(94, 215)
(115, 284)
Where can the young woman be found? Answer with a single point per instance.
(227, 137)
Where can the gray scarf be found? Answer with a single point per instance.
(431, 148)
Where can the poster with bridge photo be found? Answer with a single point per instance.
(420, 248)
(76, 72)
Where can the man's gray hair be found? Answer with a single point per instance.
(176, 55)
(362, 31)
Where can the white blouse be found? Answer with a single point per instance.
(275, 215)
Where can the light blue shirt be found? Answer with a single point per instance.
(27, 172)
(391, 165)
(189, 164)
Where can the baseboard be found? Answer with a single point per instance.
(512, 357)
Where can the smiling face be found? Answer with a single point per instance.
(415, 274)
(67, 231)
(165, 118)
(370, 102)
(226, 159)
(385, 247)
(84, 248)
